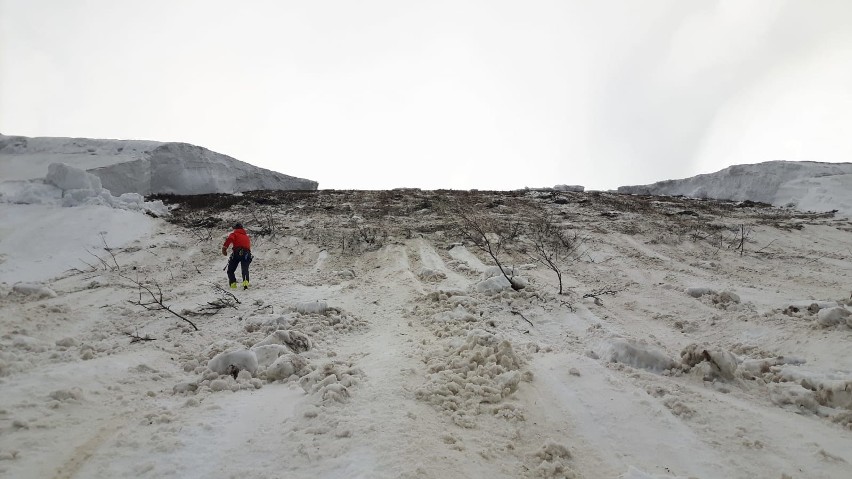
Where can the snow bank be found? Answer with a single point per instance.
(142, 167)
(805, 185)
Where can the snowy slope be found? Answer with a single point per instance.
(805, 185)
(704, 362)
(144, 167)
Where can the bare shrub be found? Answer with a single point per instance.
(489, 233)
(553, 245)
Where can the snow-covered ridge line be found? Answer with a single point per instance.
(805, 185)
(143, 167)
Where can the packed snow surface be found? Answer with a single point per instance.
(142, 167)
(805, 185)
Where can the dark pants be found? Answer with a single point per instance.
(239, 257)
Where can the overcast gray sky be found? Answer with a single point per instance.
(433, 94)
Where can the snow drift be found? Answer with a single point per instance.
(805, 185)
(143, 167)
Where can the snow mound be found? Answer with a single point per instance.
(331, 381)
(806, 185)
(463, 380)
(142, 167)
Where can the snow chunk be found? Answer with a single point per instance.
(789, 394)
(29, 192)
(297, 341)
(67, 177)
(713, 362)
(285, 366)
(268, 353)
(458, 314)
(68, 186)
(314, 307)
(493, 285)
(34, 289)
(697, 292)
(427, 274)
(241, 360)
(641, 356)
(833, 316)
(837, 394)
(331, 381)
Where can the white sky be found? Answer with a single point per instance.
(441, 94)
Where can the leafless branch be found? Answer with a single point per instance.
(135, 338)
(487, 234)
(156, 302)
(522, 316)
(553, 245)
(109, 250)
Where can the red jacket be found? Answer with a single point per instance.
(239, 239)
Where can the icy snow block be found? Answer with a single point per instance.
(833, 316)
(570, 188)
(34, 289)
(241, 360)
(640, 356)
(67, 177)
(314, 307)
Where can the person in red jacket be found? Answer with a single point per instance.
(241, 255)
